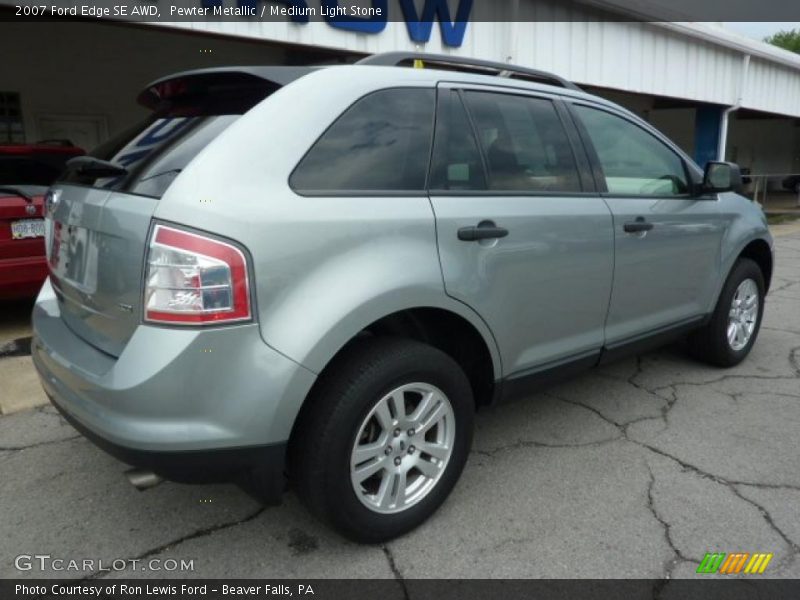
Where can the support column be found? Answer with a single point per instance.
(708, 120)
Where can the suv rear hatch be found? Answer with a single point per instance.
(99, 223)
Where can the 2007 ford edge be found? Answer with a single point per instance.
(321, 273)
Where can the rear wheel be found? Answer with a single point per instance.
(383, 438)
(730, 334)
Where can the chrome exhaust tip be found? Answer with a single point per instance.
(142, 479)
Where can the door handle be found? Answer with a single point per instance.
(485, 230)
(637, 226)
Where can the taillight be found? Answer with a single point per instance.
(192, 279)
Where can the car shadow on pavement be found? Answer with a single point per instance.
(15, 319)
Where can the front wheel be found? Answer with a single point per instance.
(730, 334)
(383, 438)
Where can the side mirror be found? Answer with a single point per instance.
(722, 177)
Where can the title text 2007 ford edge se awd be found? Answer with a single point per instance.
(322, 272)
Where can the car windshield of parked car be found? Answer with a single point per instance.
(15, 170)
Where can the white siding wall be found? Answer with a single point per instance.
(772, 88)
(691, 61)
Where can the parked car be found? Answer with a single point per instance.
(25, 172)
(324, 272)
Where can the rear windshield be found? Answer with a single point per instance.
(157, 149)
(16, 170)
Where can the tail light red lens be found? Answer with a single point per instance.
(192, 279)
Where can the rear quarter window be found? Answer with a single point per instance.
(380, 144)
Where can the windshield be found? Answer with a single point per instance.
(16, 170)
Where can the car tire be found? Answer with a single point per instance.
(345, 419)
(716, 343)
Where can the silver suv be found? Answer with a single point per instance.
(322, 273)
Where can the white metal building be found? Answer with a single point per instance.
(698, 82)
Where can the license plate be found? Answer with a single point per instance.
(29, 228)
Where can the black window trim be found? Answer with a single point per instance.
(597, 167)
(449, 95)
(422, 193)
(458, 95)
(588, 185)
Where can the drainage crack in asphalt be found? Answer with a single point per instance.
(732, 487)
(398, 575)
(631, 380)
(639, 371)
(622, 427)
(706, 475)
(37, 444)
(667, 408)
(775, 394)
(200, 533)
(794, 362)
(766, 486)
(532, 444)
(669, 566)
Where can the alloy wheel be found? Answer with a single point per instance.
(743, 314)
(402, 448)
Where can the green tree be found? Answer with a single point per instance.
(788, 40)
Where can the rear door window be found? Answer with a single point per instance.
(380, 144)
(524, 143)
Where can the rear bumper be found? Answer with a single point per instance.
(175, 400)
(22, 277)
(194, 466)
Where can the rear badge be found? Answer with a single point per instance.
(125, 307)
(30, 209)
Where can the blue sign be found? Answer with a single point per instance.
(419, 24)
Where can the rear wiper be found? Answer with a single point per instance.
(89, 166)
(11, 189)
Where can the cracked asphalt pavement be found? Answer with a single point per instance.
(634, 470)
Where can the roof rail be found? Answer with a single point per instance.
(474, 65)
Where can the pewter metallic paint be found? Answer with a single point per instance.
(324, 268)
